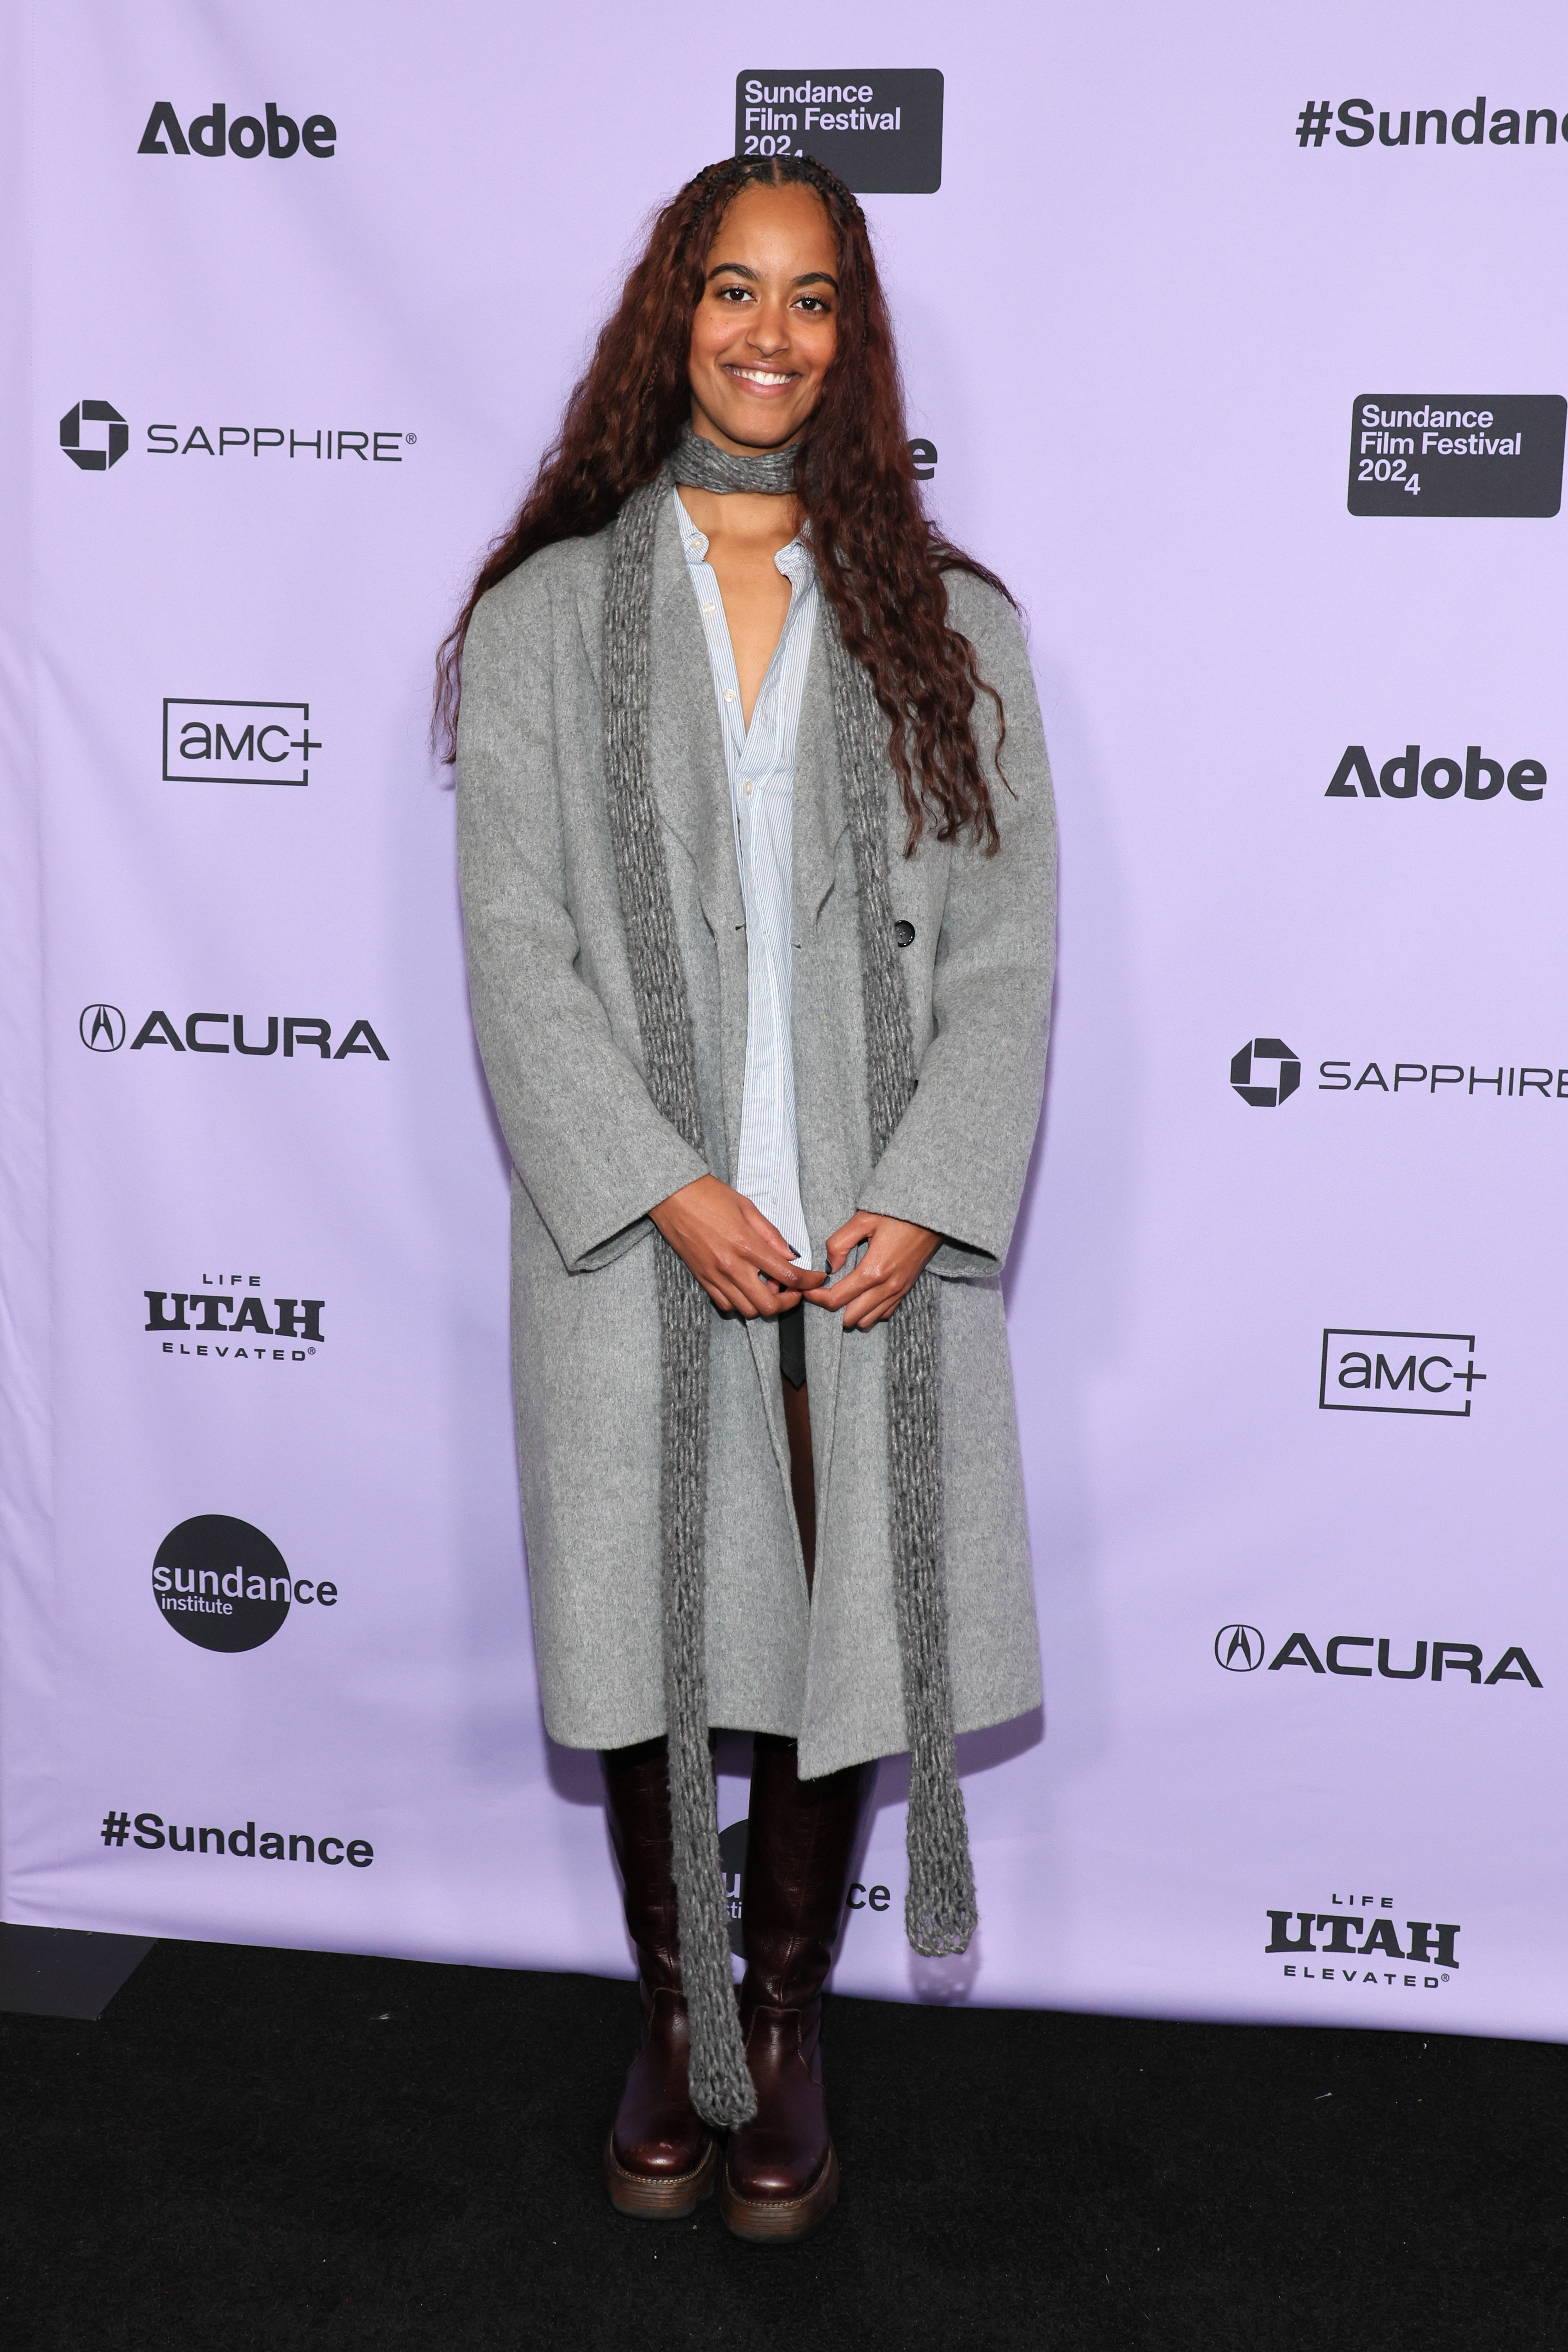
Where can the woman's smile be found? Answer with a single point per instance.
(766, 380)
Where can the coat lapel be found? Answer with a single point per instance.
(819, 817)
(691, 785)
(690, 781)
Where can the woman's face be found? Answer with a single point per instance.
(767, 325)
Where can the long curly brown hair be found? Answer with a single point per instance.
(879, 560)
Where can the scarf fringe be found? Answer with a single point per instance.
(940, 1913)
(721, 2089)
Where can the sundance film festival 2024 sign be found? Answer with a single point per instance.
(879, 131)
(266, 1596)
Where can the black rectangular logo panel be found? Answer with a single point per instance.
(879, 132)
(1457, 453)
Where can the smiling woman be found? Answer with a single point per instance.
(760, 945)
(763, 336)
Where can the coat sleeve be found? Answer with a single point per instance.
(585, 1138)
(958, 1156)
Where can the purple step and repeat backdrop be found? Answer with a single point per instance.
(1234, 341)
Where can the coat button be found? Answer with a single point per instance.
(904, 933)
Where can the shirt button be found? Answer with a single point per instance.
(729, 694)
(707, 608)
(748, 791)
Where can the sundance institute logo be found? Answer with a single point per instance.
(97, 454)
(225, 1586)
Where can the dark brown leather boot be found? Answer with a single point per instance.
(661, 2159)
(782, 2174)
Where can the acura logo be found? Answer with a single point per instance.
(1239, 1648)
(103, 1028)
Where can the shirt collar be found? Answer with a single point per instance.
(794, 561)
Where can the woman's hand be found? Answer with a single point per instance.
(895, 1255)
(743, 1261)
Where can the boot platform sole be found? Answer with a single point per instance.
(772, 2220)
(659, 2197)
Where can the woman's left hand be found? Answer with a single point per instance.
(895, 1255)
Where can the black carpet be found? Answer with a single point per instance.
(285, 2150)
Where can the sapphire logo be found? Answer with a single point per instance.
(97, 456)
(101, 1028)
(94, 436)
(1264, 1073)
(1238, 1648)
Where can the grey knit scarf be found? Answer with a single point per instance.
(940, 1910)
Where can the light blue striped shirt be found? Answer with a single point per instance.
(761, 764)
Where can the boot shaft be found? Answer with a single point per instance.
(636, 1793)
(800, 1843)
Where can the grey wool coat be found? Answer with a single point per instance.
(553, 1005)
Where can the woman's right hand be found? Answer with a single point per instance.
(743, 1261)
